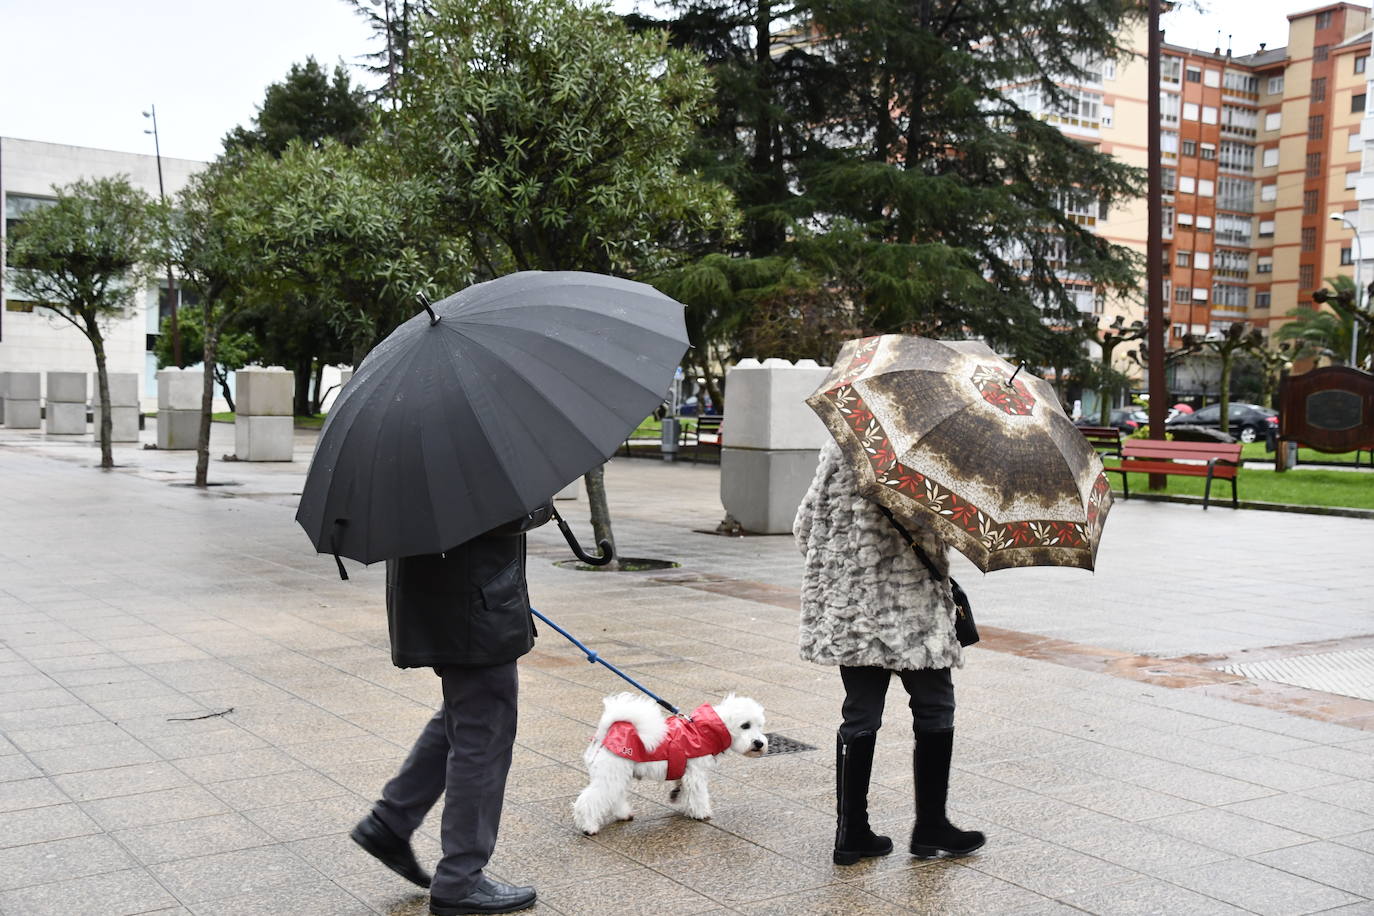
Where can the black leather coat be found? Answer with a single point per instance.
(467, 607)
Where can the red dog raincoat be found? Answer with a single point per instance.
(704, 735)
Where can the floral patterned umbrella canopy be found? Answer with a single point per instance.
(935, 432)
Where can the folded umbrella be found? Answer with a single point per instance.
(481, 408)
(949, 433)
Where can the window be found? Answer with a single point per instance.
(1233, 230)
(1321, 53)
(1204, 223)
(1234, 119)
(1205, 188)
(1168, 144)
(1169, 103)
(1239, 156)
(1275, 85)
(1228, 295)
(1271, 157)
(1187, 185)
(1354, 142)
(1235, 264)
(19, 305)
(1238, 82)
(1351, 179)
(1309, 238)
(1170, 70)
(1209, 114)
(1235, 194)
(1109, 69)
(1309, 203)
(1108, 115)
(1183, 294)
(1261, 300)
(1199, 294)
(1185, 219)
(1273, 120)
(1194, 75)
(1316, 126)
(1168, 221)
(1190, 147)
(1190, 111)
(1361, 63)
(1319, 89)
(1264, 265)
(1168, 179)
(1323, 20)
(17, 206)
(1305, 273)
(1208, 150)
(1346, 259)
(1211, 78)
(1314, 165)
(1357, 102)
(1202, 260)
(1269, 192)
(1183, 258)
(1266, 228)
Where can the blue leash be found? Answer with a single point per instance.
(595, 658)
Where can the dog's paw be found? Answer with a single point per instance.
(673, 795)
(589, 833)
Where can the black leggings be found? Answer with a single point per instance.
(865, 691)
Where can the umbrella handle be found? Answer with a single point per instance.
(607, 552)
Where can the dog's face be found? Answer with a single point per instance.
(744, 719)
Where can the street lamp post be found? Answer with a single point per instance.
(172, 297)
(1359, 291)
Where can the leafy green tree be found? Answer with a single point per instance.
(85, 258)
(554, 138)
(307, 106)
(1317, 332)
(236, 349)
(1235, 341)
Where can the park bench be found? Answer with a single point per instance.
(1105, 440)
(708, 433)
(1152, 456)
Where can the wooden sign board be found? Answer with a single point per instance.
(1329, 410)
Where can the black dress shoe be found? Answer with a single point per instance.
(487, 897)
(389, 849)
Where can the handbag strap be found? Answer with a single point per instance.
(911, 542)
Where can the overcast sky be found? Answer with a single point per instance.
(81, 71)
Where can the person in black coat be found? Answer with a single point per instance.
(466, 614)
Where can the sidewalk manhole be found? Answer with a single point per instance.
(781, 744)
(627, 564)
(1348, 673)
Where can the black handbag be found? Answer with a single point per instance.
(965, 630)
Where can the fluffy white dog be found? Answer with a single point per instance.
(635, 741)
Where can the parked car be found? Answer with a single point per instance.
(1126, 419)
(1249, 422)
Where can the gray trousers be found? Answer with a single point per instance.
(464, 754)
(930, 692)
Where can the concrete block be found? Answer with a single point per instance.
(177, 430)
(179, 389)
(763, 488)
(123, 389)
(67, 387)
(263, 438)
(125, 424)
(23, 386)
(4, 383)
(765, 405)
(22, 413)
(264, 392)
(65, 419)
(571, 491)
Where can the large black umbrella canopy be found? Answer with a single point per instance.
(466, 420)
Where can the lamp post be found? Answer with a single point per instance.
(173, 300)
(1359, 291)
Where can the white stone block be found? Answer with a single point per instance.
(67, 387)
(123, 389)
(23, 386)
(765, 405)
(263, 438)
(124, 422)
(179, 389)
(571, 491)
(762, 488)
(22, 413)
(177, 430)
(4, 383)
(264, 392)
(66, 419)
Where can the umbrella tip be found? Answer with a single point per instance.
(1016, 373)
(433, 318)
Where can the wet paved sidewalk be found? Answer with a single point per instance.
(1114, 766)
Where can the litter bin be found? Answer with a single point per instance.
(672, 430)
(1271, 439)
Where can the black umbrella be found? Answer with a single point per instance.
(480, 409)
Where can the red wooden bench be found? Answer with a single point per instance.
(1152, 456)
(1105, 440)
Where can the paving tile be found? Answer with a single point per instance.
(112, 894)
(1227, 831)
(744, 875)
(46, 739)
(276, 789)
(948, 887)
(44, 863)
(38, 825)
(259, 761)
(1259, 888)
(185, 839)
(1274, 773)
(147, 808)
(17, 766)
(212, 878)
(1047, 870)
(29, 793)
(317, 817)
(320, 897)
(82, 758)
(642, 891)
(1123, 800)
(1354, 793)
(1305, 815)
(126, 780)
(1148, 897)
(1338, 866)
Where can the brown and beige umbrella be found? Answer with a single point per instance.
(948, 432)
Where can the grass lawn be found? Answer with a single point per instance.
(1254, 451)
(649, 428)
(314, 422)
(1345, 489)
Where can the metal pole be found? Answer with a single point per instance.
(172, 297)
(1154, 293)
(1358, 302)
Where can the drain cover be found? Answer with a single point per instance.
(781, 744)
(1349, 673)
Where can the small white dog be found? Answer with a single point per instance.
(635, 741)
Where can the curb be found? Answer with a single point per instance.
(1248, 504)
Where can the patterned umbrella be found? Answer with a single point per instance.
(935, 432)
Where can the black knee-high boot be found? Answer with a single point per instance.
(933, 834)
(854, 839)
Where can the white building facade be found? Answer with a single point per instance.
(32, 339)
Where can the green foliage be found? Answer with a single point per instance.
(236, 348)
(1316, 333)
(306, 106)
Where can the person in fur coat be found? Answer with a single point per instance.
(870, 607)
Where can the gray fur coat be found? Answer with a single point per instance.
(866, 600)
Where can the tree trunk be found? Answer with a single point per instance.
(600, 511)
(222, 376)
(103, 383)
(1225, 417)
(316, 402)
(207, 402)
(1104, 394)
(302, 397)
